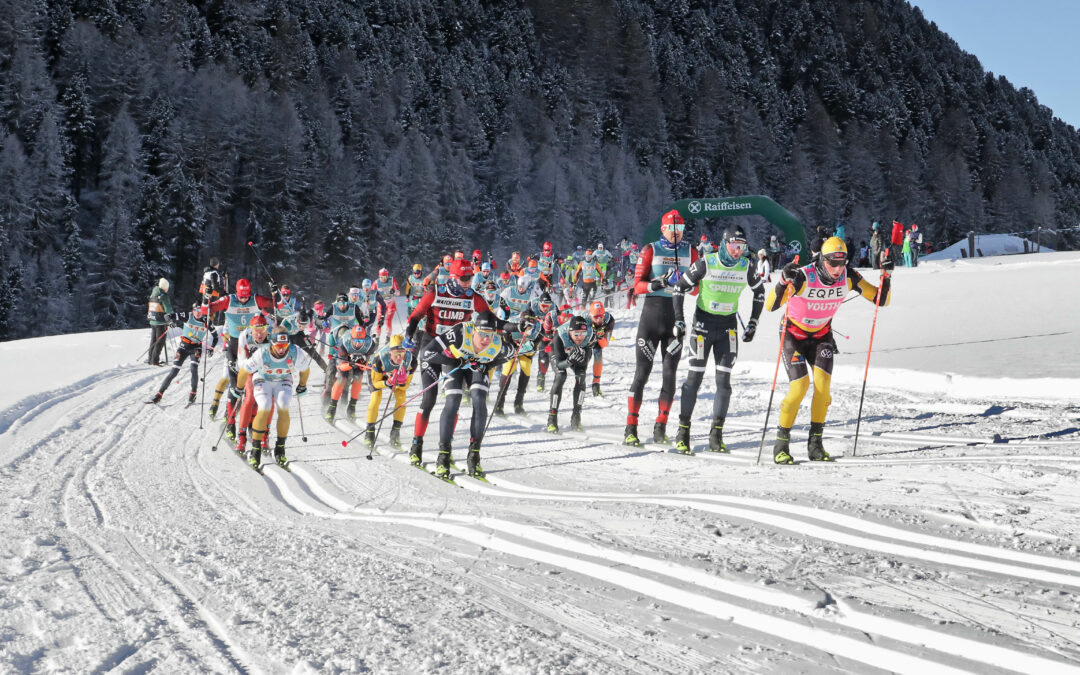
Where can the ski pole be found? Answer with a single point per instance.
(345, 444)
(256, 252)
(300, 410)
(776, 372)
(501, 398)
(371, 448)
(218, 441)
(858, 419)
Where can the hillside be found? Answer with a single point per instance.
(137, 138)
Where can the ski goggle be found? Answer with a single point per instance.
(835, 259)
(488, 333)
(676, 227)
(578, 335)
(736, 248)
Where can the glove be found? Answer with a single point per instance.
(680, 331)
(301, 390)
(399, 377)
(748, 333)
(672, 277)
(274, 287)
(575, 355)
(408, 344)
(237, 393)
(788, 273)
(887, 264)
(447, 353)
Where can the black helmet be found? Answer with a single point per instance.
(486, 321)
(734, 233)
(578, 323)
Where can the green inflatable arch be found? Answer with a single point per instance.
(749, 205)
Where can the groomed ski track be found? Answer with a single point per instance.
(947, 545)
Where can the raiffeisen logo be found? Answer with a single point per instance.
(727, 206)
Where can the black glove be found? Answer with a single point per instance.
(886, 262)
(575, 355)
(301, 389)
(788, 273)
(748, 332)
(680, 333)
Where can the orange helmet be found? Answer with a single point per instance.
(597, 311)
(532, 263)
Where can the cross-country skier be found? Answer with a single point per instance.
(589, 274)
(658, 269)
(603, 325)
(442, 308)
(391, 368)
(158, 312)
(720, 278)
(387, 287)
(287, 309)
(192, 336)
(813, 295)
(570, 351)
(255, 337)
(522, 335)
(354, 348)
(468, 352)
(272, 368)
(239, 307)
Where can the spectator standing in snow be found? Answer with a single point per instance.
(907, 249)
(877, 242)
(896, 240)
(916, 244)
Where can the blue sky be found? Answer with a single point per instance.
(1033, 43)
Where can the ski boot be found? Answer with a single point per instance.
(416, 451)
(553, 423)
(682, 438)
(575, 420)
(230, 431)
(782, 450)
(331, 412)
(716, 437)
(395, 435)
(519, 408)
(279, 454)
(442, 465)
(213, 410)
(255, 455)
(814, 446)
(659, 433)
(474, 460)
(540, 382)
(156, 398)
(369, 436)
(241, 442)
(191, 397)
(498, 411)
(630, 436)
(350, 412)
(596, 390)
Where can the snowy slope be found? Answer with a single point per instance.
(947, 545)
(989, 245)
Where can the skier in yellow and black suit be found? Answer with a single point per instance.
(391, 368)
(813, 294)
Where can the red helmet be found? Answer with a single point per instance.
(384, 272)
(285, 290)
(704, 238)
(258, 320)
(505, 276)
(461, 268)
(358, 333)
(243, 288)
(672, 217)
(477, 254)
(547, 247)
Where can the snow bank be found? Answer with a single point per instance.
(989, 244)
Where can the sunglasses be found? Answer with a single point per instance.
(736, 247)
(678, 227)
(835, 259)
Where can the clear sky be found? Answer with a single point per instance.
(1033, 43)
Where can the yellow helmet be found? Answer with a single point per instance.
(834, 250)
(396, 342)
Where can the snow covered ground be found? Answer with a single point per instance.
(948, 544)
(988, 245)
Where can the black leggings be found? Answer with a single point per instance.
(656, 329)
(455, 389)
(187, 349)
(711, 335)
(157, 342)
(579, 388)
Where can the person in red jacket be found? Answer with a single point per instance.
(896, 240)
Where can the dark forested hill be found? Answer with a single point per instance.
(139, 137)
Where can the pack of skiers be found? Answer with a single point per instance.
(470, 326)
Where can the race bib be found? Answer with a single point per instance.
(721, 307)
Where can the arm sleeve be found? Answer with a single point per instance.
(219, 305)
(857, 282)
(643, 271)
(264, 303)
(758, 287)
(778, 295)
(688, 281)
(166, 302)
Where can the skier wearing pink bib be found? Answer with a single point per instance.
(813, 294)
